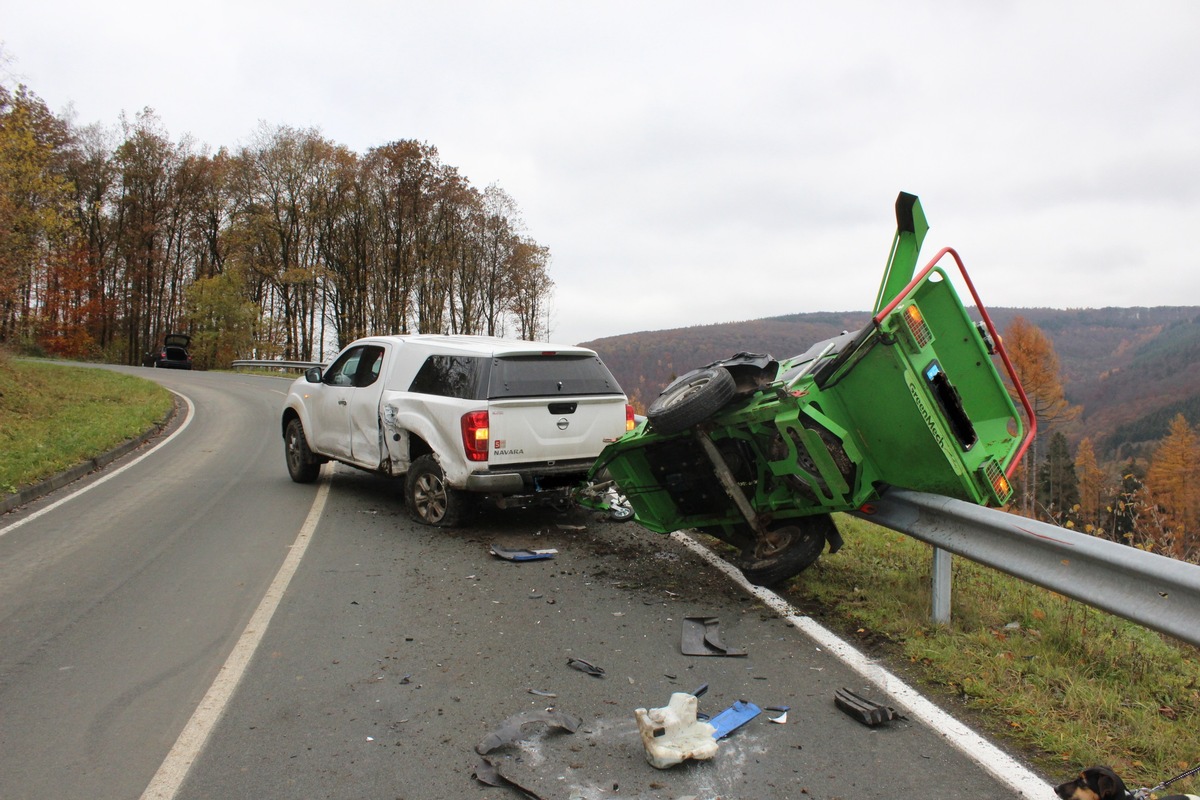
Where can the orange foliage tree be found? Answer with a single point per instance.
(1036, 363)
(1093, 486)
(1173, 487)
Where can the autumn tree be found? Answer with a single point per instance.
(1036, 364)
(34, 208)
(1058, 485)
(111, 238)
(1173, 486)
(531, 288)
(1093, 489)
(1124, 513)
(222, 319)
(281, 179)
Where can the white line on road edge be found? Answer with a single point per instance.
(166, 782)
(999, 764)
(108, 476)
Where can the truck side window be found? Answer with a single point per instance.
(342, 371)
(450, 376)
(369, 365)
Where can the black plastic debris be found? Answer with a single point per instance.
(521, 554)
(583, 666)
(510, 730)
(868, 712)
(702, 637)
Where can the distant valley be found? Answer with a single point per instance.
(1131, 369)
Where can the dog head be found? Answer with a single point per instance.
(1094, 783)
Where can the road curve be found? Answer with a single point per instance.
(395, 648)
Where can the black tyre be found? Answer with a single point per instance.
(301, 464)
(788, 550)
(430, 501)
(693, 398)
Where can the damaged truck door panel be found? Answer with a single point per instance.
(759, 452)
(457, 417)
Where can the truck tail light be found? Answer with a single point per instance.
(630, 422)
(475, 435)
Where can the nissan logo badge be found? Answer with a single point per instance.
(563, 424)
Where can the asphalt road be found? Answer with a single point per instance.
(394, 649)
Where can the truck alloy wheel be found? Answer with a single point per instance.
(430, 501)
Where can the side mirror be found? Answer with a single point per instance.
(313, 375)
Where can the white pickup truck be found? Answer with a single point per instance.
(458, 417)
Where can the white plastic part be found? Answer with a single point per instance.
(672, 734)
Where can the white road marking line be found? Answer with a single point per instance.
(995, 761)
(174, 769)
(191, 413)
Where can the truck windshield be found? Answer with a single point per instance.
(549, 376)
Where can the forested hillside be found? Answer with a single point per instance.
(289, 245)
(1130, 369)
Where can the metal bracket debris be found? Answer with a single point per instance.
(583, 666)
(733, 718)
(868, 712)
(702, 637)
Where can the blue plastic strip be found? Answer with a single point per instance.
(733, 718)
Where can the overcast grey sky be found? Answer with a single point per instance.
(698, 162)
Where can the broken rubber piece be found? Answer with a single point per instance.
(489, 773)
(510, 730)
(868, 712)
(702, 637)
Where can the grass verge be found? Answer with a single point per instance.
(1067, 684)
(54, 416)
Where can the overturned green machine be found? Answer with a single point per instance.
(758, 452)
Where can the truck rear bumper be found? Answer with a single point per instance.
(497, 483)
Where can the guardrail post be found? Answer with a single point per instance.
(941, 586)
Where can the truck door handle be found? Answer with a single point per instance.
(341, 402)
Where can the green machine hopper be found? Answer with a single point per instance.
(759, 452)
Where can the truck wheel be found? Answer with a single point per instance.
(302, 466)
(430, 501)
(693, 398)
(787, 551)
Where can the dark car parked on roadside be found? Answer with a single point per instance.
(173, 355)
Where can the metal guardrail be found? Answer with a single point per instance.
(272, 364)
(1157, 592)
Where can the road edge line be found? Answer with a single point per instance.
(175, 767)
(1000, 765)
